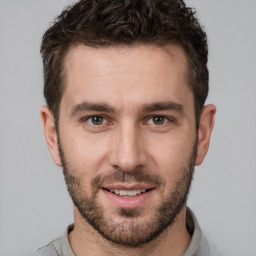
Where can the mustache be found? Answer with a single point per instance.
(121, 176)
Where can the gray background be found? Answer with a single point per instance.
(35, 206)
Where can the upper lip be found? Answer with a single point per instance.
(122, 186)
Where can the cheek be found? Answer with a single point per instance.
(170, 155)
(83, 152)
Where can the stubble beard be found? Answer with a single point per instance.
(131, 231)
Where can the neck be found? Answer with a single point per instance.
(85, 240)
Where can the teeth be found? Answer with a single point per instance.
(123, 193)
(133, 192)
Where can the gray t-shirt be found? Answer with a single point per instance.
(198, 246)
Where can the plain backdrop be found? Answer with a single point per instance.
(35, 207)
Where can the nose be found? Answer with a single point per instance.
(128, 149)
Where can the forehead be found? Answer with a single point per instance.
(125, 74)
(100, 61)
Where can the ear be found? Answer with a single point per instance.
(204, 132)
(50, 134)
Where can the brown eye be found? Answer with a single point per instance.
(159, 120)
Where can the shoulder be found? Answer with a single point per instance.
(57, 247)
(48, 250)
(207, 248)
(214, 251)
(199, 245)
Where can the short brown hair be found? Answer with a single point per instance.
(103, 23)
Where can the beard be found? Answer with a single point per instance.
(130, 229)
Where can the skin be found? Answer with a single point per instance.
(128, 80)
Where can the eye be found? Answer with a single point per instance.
(158, 120)
(96, 120)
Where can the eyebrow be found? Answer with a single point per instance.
(166, 105)
(102, 107)
(89, 106)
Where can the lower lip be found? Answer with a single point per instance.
(128, 202)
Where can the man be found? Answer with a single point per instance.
(125, 86)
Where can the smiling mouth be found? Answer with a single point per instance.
(128, 193)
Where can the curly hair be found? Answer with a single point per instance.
(104, 23)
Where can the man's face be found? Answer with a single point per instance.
(127, 138)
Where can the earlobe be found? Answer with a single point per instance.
(204, 132)
(50, 134)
